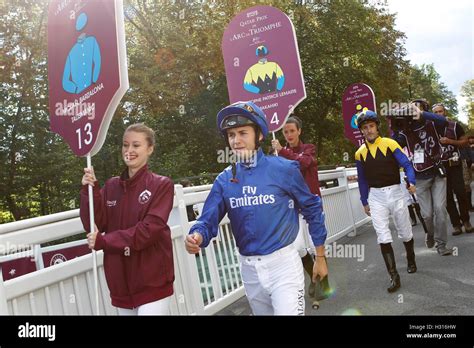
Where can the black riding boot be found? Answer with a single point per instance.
(389, 258)
(411, 210)
(411, 268)
(308, 264)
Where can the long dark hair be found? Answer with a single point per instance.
(299, 125)
(296, 120)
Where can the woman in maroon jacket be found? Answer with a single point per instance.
(131, 214)
(296, 150)
(305, 154)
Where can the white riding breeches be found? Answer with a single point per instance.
(386, 201)
(274, 283)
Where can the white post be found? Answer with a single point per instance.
(348, 202)
(214, 271)
(188, 267)
(38, 256)
(92, 225)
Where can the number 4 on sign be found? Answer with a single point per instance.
(275, 119)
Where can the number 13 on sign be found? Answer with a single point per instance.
(88, 135)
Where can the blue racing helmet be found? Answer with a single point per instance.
(367, 115)
(241, 114)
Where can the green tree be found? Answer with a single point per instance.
(425, 83)
(467, 91)
(20, 91)
(36, 164)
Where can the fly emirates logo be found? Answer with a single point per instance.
(250, 198)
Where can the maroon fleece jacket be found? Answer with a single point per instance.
(305, 154)
(138, 253)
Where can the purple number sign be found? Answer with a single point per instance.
(262, 62)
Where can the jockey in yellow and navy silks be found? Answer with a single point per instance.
(264, 76)
(378, 163)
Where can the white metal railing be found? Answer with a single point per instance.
(205, 283)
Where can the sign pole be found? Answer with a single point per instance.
(276, 151)
(92, 230)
